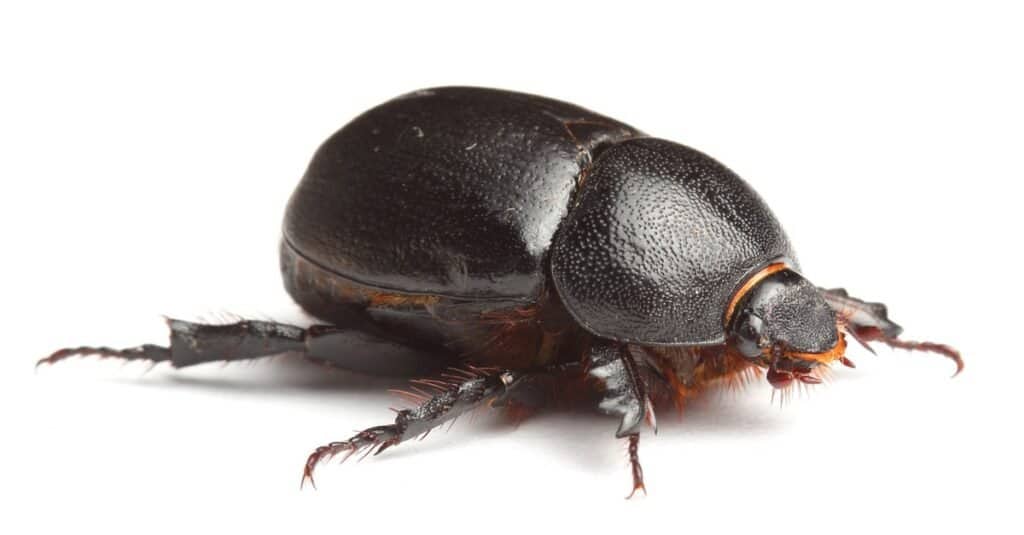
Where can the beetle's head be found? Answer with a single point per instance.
(782, 322)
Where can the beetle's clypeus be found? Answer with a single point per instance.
(487, 239)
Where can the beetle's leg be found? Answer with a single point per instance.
(356, 345)
(442, 400)
(634, 463)
(195, 343)
(146, 352)
(625, 395)
(869, 322)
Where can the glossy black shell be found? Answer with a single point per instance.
(450, 191)
(482, 195)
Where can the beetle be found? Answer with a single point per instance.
(490, 240)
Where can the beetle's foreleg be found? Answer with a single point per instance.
(869, 322)
(625, 395)
(443, 400)
(873, 335)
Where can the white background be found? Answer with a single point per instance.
(147, 155)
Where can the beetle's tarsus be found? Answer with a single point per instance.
(147, 352)
(871, 334)
(456, 392)
(634, 462)
(869, 322)
(381, 437)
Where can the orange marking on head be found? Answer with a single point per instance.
(750, 283)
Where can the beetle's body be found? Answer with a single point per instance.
(435, 213)
(511, 237)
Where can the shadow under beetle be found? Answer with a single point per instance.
(488, 239)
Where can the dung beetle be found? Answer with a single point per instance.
(489, 241)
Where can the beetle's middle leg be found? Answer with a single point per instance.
(457, 392)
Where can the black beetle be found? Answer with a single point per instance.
(491, 239)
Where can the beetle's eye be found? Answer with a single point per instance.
(747, 334)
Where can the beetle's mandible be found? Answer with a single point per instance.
(486, 240)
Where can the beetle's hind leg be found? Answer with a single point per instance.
(148, 353)
(195, 343)
(869, 322)
(441, 400)
(354, 344)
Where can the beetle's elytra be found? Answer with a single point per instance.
(487, 239)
